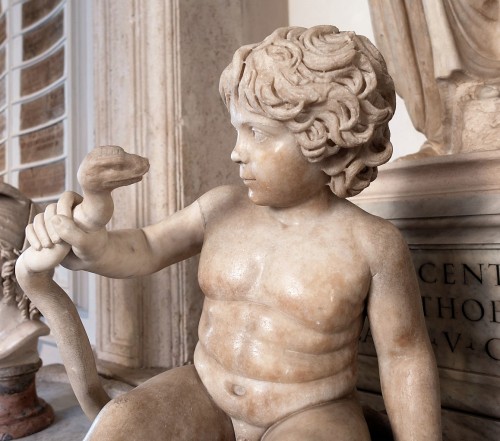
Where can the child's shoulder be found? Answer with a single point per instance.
(370, 223)
(372, 231)
(223, 199)
(380, 240)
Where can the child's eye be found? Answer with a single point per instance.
(258, 135)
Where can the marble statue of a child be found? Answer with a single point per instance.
(288, 266)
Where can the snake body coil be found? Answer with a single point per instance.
(103, 170)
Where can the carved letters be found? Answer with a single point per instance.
(460, 291)
(461, 301)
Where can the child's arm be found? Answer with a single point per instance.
(408, 371)
(121, 253)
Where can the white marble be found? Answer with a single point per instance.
(276, 343)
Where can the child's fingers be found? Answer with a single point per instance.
(70, 233)
(41, 231)
(32, 238)
(49, 213)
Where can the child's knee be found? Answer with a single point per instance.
(174, 405)
(118, 420)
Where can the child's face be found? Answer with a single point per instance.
(271, 164)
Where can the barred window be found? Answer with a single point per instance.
(45, 90)
(35, 87)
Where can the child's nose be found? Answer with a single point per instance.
(238, 154)
(235, 156)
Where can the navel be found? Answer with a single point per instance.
(238, 390)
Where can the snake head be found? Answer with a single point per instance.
(108, 167)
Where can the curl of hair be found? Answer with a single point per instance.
(330, 88)
(11, 290)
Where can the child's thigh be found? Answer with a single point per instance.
(171, 406)
(340, 420)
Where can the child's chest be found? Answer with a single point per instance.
(303, 272)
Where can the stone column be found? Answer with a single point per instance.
(157, 68)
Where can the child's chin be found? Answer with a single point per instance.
(262, 200)
(256, 198)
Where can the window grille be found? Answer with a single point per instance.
(45, 91)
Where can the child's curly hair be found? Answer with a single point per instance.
(10, 291)
(16, 211)
(330, 88)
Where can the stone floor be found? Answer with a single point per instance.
(70, 423)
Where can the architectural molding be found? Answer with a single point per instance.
(156, 74)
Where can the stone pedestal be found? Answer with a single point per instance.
(448, 209)
(21, 411)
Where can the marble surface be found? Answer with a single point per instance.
(276, 343)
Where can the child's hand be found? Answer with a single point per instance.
(41, 233)
(56, 226)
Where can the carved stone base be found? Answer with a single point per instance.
(21, 411)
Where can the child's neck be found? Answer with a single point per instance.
(311, 208)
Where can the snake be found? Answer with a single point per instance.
(104, 169)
